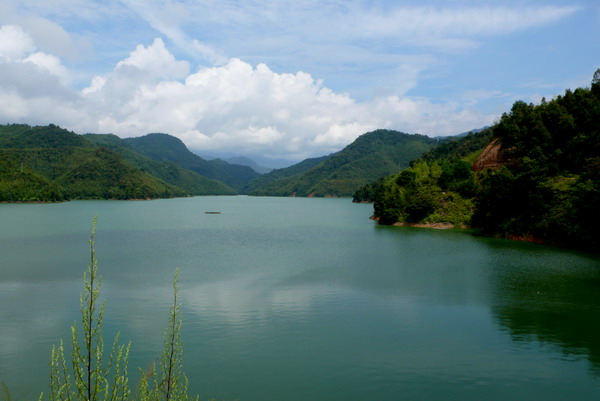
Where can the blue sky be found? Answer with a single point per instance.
(287, 79)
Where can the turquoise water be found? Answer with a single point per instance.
(303, 299)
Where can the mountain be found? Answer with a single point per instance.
(248, 159)
(164, 147)
(169, 172)
(20, 184)
(534, 175)
(369, 157)
(275, 182)
(244, 161)
(50, 163)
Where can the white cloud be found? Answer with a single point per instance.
(246, 109)
(233, 107)
(419, 23)
(17, 46)
(14, 43)
(156, 61)
(52, 38)
(49, 63)
(165, 17)
(33, 84)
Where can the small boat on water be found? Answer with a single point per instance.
(212, 212)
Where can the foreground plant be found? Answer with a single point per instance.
(172, 383)
(90, 377)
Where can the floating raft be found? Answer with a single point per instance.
(212, 212)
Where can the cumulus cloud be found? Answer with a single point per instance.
(234, 107)
(16, 46)
(33, 84)
(49, 63)
(249, 109)
(14, 43)
(156, 61)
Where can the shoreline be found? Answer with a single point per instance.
(435, 225)
(511, 237)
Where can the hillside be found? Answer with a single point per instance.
(163, 147)
(370, 156)
(52, 164)
(277, 179)
(169, 172)
(534, 175)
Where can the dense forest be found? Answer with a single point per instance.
(164, 147)
(534, 175)
(49, 163)
(370, 156)
(172, 173)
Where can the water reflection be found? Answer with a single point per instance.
(548, 296)
(306, 299)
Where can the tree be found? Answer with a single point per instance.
(596, 79)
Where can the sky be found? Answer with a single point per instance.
(287, 79)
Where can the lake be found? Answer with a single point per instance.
(303, 299)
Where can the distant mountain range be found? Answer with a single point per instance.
(172, 173)
(51, 163)
(370, 156)
(245, 161)
(163, 147)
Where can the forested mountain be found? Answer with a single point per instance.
(164, 147)
(270, 182)
(51, 164)
(169, 172)
(534, 175)
(370, 156)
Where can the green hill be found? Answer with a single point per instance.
(169, 172)
(20, 184)
(277, 179)
(534, 175)
(50, 163)
(372, 155)
(22, 136)
(164, 147)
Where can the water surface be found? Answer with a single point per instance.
(304, 299)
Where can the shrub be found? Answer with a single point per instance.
(90, 377)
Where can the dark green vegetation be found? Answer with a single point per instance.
(538, 177)
(91, 375)
(266, 184)
(437, 188)
(52, 164)
(49, 163)
(172, 173)
(163, 147)
(372, 155)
